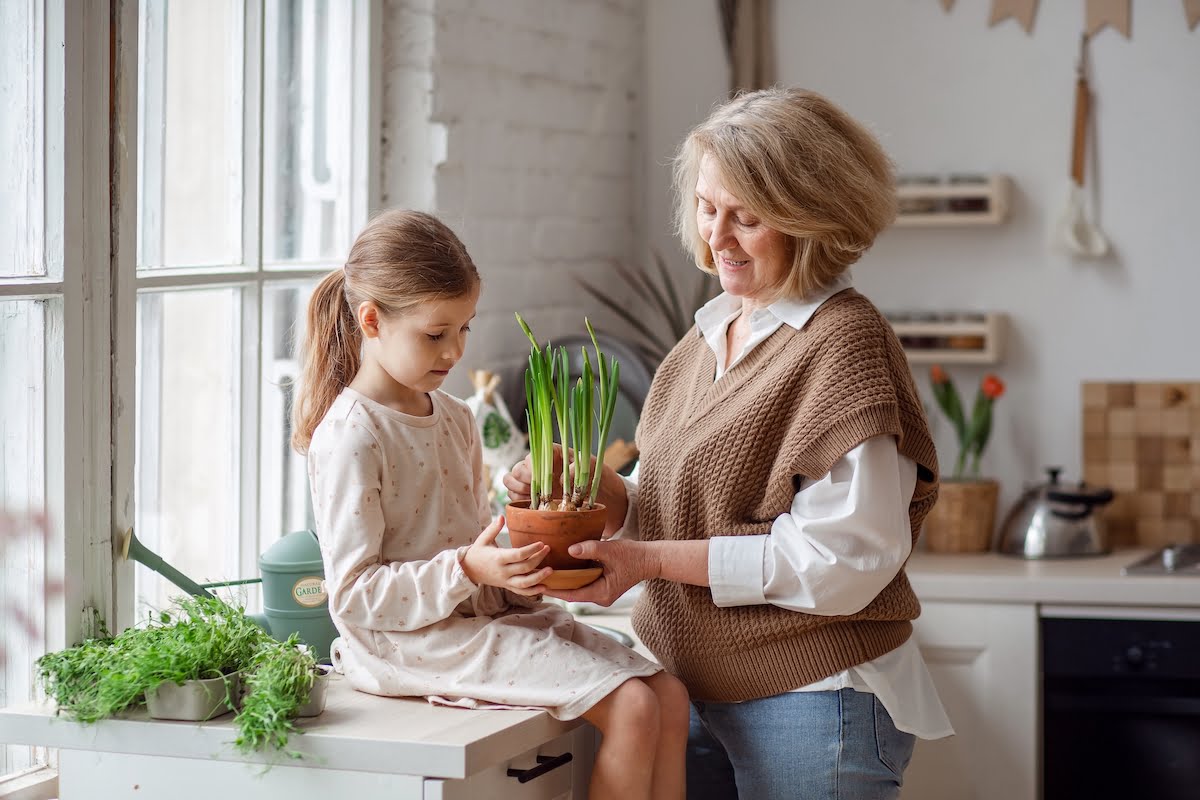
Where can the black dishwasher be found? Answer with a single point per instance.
(1121, 709)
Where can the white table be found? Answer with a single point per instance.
(362, 746)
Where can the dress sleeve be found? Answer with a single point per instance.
(844, 539)
(364, 590)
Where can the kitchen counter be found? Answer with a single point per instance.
(1090, 580)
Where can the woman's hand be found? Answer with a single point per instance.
(625, 564)
(519, 480)
(512, 568)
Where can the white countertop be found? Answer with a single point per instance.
(358, 732)
(1090, 580)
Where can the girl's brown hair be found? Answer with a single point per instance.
(802, 166)
(399, 260)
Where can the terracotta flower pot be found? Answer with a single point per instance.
(559, 529)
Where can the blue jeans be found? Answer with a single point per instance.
(812, 745)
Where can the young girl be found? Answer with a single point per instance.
(426, 604)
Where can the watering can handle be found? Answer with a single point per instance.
(1083, 101)
(1079, 149)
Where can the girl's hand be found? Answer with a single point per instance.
(515, 569)
(625, 564)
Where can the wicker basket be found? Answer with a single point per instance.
(963, 518)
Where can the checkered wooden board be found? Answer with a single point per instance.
(1142, 440)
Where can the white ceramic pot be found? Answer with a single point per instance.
(194, 701)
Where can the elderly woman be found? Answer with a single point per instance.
(786, 468)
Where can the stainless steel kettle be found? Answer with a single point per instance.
(1054, 519)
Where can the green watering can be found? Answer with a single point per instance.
(293, 585)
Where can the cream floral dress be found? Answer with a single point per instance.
(397, 500)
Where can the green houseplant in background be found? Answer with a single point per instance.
(964, 516)
(201, 639)
(563, 508)
(660, 314)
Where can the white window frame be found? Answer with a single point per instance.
(128, 281)
(90, 339)
(77, 401)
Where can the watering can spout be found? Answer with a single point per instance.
(130, 547)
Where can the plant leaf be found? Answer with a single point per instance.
(626, 315)
(678, 316)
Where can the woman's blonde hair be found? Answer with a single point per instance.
(399, 260)
(803, 167)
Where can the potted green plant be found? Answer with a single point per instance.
(563, 509)
(963, 518)
(183, 665)
(186, 664)
(283, 682)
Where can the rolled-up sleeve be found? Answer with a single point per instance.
(845, 538)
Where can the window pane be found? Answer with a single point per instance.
(22, 498)
(187, 453)
(285, 503)
(190, 133)
(22, 205)
(307, 114)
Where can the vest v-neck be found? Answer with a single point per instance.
(705, 393)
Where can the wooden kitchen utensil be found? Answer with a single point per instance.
(1078, 235)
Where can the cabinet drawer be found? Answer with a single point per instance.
(554, 784)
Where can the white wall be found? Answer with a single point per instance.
(535, 105)
(946, 93)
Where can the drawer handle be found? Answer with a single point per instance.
(545, 764)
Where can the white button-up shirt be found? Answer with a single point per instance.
(845, 538)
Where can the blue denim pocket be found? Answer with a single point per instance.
(894, 746)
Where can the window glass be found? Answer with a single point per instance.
(22, 503)
(187, 461)
(285, 503)
(307, 117)
(190, 131)
(22, 202)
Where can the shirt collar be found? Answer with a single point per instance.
(714, 315)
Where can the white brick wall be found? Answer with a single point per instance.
(517, 122)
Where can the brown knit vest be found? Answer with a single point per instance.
(724, 459)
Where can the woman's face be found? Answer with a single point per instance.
(751, 259)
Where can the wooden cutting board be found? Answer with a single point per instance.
(1142, 440)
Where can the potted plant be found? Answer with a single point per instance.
(185, 665)
(964, 515)
(562, 509)
(283, 681)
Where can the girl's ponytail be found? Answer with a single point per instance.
(332, 353)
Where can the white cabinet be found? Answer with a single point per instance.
(983, 658)
(567, 781)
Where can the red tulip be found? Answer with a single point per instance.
(937, 374)
(992, 386)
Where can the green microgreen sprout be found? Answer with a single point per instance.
(198, 638)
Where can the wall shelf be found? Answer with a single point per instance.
(951, 338)
(959, 200)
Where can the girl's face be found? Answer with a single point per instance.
(418, 348)
(751, 259)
